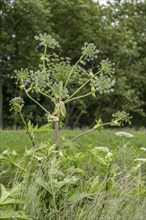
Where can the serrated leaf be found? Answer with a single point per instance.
(14, 153)
(5, 151)
(9, 197)
(43, 184)
(77, 197)
(42, 129)
(98, 158)
(12, 214)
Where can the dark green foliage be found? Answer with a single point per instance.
(118, 30)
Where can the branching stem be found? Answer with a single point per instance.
(69, 75)
(36, 101)
(46, 95)
(78, 97)
(82, 134)
(90, 130)
(83, 85)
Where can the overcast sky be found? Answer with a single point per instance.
(103, 1)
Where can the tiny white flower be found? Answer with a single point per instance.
(109, 155)
(142, 148)
(101, 148)
(141, 159)
(124, 134)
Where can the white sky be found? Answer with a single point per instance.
(103, 1)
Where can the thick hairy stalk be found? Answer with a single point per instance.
(58, 116)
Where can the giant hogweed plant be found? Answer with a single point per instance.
(54, 176)
(61, 82)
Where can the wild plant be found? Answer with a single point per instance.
(61, 82)
(66, 181)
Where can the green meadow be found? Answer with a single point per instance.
(19, 139)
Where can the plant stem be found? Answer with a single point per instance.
(78, 97)
(17, 165)
(46, 95)
(36, 101)
(69, 75)
(90, 130)
(82, 86)
(57, 132)
(107, 182)
(27, 129)
(84, 133)
(44, 66)
(58, 115)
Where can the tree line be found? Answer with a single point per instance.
(117, 29)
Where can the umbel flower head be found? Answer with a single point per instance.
(124, 134)
(103, 84)
(17, 104)
(90, 52)
(107, 67)
(47, 41)
(121, 116)
(22, 74)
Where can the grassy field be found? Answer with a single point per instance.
(89, 184)
(19, 140)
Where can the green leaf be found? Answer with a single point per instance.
(42, 129)
(83, 62)
(94, 185)
(98, 158)
(43, 184)
(77, 197)
(10, 214)
(10, 197)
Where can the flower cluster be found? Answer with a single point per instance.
(17, 104)
(102, 84)
(55, 90)
(59, 69)
(124, 134)
(39, 80)
(22, 74)
(47, 41)
(107, 67)
(102, 148)
(122, 117)
(89, 51)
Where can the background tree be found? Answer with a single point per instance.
(117, 29)
(20, 21)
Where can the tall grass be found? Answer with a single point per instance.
(78, 180)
